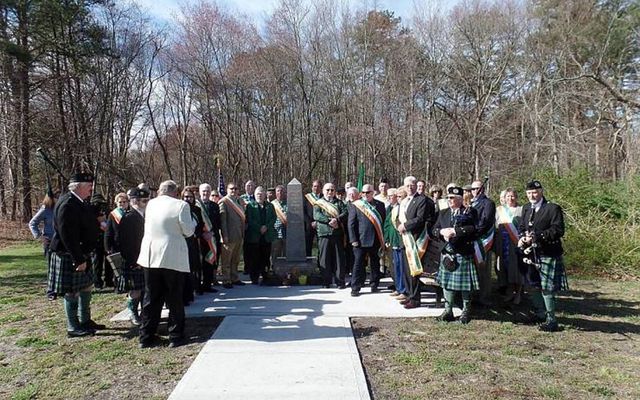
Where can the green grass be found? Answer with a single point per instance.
(39, 361)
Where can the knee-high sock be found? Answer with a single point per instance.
(466, 300)
(538, 303)
(71, 310)
(550, 304)
(449, 297)
(84, 311)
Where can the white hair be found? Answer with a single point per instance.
(168, 187)
(204, 186)
(410, 179)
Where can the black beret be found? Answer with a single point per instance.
(138, 193)
(81, 177)
(534, 185)
(341, 191)
(454, 191)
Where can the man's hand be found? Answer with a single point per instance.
(355, 244)
(401, 228)
(448, 233)
(314, 224)
(263, 229)
(81, 267)
(207, 235)
(333, 223)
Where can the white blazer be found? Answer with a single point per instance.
(167, 222)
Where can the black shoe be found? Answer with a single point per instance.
(210, 290)
(177, 342)
(446, 316)
(52, 296)
(374, 289)
(80, 333)
(549, 327)
(146, 344)
(391, 287)
(326, 286)
(227, 286)
(355, 293)
(91, 324)
(464, 317)
(342, 286)
(239, 283)
(98, 285)
(215, 283)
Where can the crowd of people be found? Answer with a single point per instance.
(167, 247)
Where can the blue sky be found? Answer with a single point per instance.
(259, 9)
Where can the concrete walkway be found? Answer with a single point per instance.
(284, 343)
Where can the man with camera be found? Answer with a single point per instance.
(541, 229)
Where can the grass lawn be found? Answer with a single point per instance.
(37, 360)
(597, 356)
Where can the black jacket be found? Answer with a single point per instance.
(131, 231)
(486, 214)
(213, 211)
(421, 212)
(465, 225)
(361, 229)
(548, 226)
(76, 228)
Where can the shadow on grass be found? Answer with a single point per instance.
(581, 311)
(30, 281)
(197, 330)
(19, 261)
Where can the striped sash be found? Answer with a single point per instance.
(329, 208)
(212, 254)
(237, 208)
(410, 246)
(117, 214)
(282, 215)
(505, 220)
(312, 198)
(372, 215)
(482, 245)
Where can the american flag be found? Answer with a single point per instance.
(222, 189)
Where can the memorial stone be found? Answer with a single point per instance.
(296, 259)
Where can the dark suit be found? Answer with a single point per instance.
(547, 225)
(76, 229)
(362, 230)
(208, 270)
(486, 221)
(131, 231)
(420, 214)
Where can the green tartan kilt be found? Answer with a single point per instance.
(131, 279)
(63, 277)
(464, 278)
(552, 275)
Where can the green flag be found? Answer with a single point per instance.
(361, 176)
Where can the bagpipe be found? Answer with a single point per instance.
(448, 253)
(528, 250)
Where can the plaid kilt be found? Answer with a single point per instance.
(63, 277)
(130, 279)
(464, 278)
(551, 275)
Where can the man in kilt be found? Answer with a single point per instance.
(76, 231)
(456, 225)
(131, 232)
(541, 229)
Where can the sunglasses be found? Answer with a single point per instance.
(330, 190)
(368, 191)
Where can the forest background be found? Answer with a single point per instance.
(506, 89)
